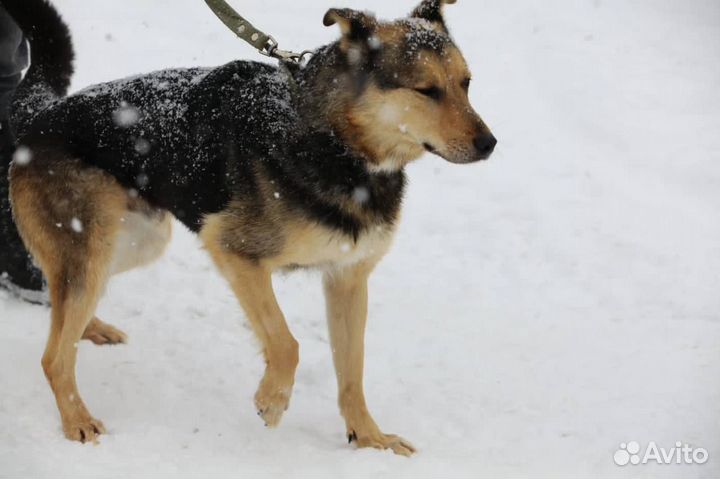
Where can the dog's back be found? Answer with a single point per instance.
(173, 133)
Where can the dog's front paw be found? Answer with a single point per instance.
(378, 440)
(272, 400)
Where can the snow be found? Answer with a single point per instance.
(142, 146)
(354, 55)
(76, 225)
(535, 312)
(142, 180)
(361, 195)
(126, 115)
(374, 43)
(22, 156)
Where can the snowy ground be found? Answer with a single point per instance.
(535, 312)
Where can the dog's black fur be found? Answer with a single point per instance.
(201, 136)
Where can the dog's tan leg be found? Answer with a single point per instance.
(56, 324)
(252, 284)
(73, 309)
(346, 294)
(69, 221)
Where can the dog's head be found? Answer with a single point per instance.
(404, 89)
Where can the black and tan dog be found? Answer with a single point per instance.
(273, 171)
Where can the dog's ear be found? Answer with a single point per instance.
(432, 11)
(358, 28)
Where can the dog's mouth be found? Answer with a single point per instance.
(457, 158)
(432, 150)
(462, 159)
(429, 148)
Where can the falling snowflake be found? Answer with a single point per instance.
(22, 156)
(354, 55)
(374, 43)
(126, 116)
(76, 225)
(142, 180)
(389, 113)
(142, 146)
(360, 195)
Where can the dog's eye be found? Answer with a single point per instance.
(432, 92)
(465, 84)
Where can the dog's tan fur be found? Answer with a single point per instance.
(120, 231)
(392, 125)
(77, 262)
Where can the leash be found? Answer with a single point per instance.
(265, 44)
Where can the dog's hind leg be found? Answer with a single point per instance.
(346, 294)
(252, 284)
(142, 238)
(102, 333)
(73, 307)
(68, 216)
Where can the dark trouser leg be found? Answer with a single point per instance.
(16, 269)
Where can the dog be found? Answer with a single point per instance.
(274, 170)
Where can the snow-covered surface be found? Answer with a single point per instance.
(535, 312)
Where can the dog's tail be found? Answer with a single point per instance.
(51, 54)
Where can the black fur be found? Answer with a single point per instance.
(208, 132)
(325, 173)
(192, 140)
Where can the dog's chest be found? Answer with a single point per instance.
(313, 245)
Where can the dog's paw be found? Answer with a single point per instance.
(272, 401)
(102, 333)
(378, 440)
(85, 429)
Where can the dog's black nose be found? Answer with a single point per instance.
(485, 145)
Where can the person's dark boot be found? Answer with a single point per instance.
(17, 273)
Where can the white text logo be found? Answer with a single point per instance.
(630, 453)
